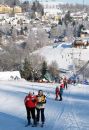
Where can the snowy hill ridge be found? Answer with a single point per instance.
(70, 114)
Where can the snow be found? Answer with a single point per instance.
(70, 114)
(10, 75)
(63, 54)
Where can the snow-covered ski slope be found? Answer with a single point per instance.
(64, 57)
(70, 114)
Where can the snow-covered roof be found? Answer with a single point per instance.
(10, 75)
(82, 39)
(52, 11)
(85, 31)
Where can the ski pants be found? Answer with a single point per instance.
(60, 96)
(40, 111)
(57, 95)
(30, 114)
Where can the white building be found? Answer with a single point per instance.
(79, 15)
(51, 7)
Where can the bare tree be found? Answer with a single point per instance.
(53, 69)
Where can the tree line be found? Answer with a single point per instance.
(41, 70)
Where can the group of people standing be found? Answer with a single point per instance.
(59, 89)
(35, 105)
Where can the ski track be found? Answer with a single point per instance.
(71, 118)
(59, 115)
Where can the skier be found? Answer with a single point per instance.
(41, 101)
(61, 90)
(65, 82)
(30, 104)
(57, 93)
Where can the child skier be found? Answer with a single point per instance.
(61, 90)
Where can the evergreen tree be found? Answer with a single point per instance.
(73, 23)
(81, 26)
(27, 70)
(0, 38)
(22, 31)
(67, 18)
(44, 69)
(34, 7)
(37, 7)
(60, 22)
(25, 6)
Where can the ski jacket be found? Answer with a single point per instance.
(41, 101)
(61, 88)
(62, 85)
(30, 101)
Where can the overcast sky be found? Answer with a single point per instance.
(69, 1)
(76, 1)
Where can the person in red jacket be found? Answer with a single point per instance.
(30, 104)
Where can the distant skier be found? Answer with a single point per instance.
(65, 82)
(57, 93)
(41, 101)
(61, 90)
(30, 103)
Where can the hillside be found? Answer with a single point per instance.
(64, 55)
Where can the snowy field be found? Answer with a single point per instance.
(70, 114)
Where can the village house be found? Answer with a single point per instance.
(4, 9)
(81, 42)
(52, 10)
(84, 33)
(79, 16)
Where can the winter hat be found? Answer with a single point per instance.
(30, 93)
